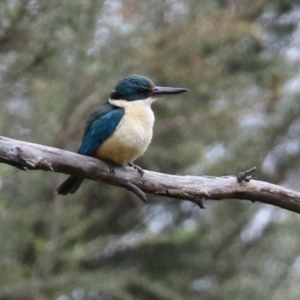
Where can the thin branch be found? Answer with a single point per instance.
(30, 156)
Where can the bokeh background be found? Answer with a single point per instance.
(240, 59)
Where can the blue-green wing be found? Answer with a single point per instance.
(101, 124)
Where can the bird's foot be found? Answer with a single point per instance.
(111, 167)
(139, 169)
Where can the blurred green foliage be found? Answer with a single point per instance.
(60, 59)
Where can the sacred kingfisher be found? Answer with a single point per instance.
(121, 130)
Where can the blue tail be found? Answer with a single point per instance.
(70, 185)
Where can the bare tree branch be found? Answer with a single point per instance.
(31, 156)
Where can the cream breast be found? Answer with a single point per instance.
(133, 134)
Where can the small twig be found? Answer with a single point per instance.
(136, 190)
(202, 195)
(200, 202)
(246, 175)
(199, 197)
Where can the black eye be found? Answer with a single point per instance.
(143, 90)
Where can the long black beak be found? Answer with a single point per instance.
(163, 90)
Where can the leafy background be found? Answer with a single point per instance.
(240, 60)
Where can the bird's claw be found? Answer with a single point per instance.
(138, 168)
(111, 167)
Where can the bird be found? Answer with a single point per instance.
(120, 130)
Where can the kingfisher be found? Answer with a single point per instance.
(120, 131)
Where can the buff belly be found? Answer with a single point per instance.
(132, 136)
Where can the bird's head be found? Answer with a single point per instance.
(136, 87)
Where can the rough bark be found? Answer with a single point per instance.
(29, 156)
